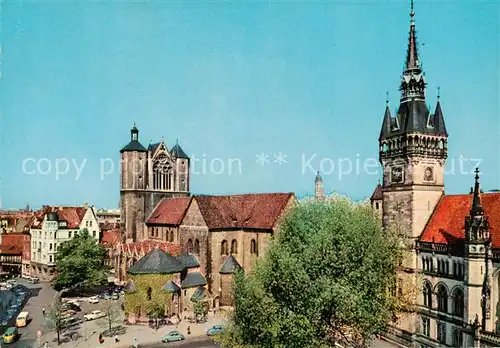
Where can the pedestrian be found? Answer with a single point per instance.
(136, 345)
(101, 340)
(189, 330)
(117, 339)
(43, 311)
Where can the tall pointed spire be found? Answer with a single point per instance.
(476, 208)
(412, 61)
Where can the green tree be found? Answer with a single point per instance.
(113, 315)
(54, 318)
(80, 263)
(156, 312)
(324, 279)
(199, 310)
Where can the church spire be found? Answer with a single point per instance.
(412, 61)
(476, 209)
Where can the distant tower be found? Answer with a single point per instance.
(377, 200)
(319, 188)
(478, 264)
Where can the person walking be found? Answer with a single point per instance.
(136, 344)
(101, 340)
(43, 311)
(189, 330)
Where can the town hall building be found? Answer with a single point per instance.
(455, 239)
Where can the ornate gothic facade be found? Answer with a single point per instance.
(455, 257)
(146, 177)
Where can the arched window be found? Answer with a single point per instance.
(253, 247)
(458, 302)
(234, 246)
(223, 248)
(189, 246)
(196, 246)
(427, 295)
(442, 299)
(457, 337)
(149, 293)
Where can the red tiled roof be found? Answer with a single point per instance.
(377, 194)
(73, 215)
(144, 247)
(259, 211)
(446, 225)
(12, 244)
(110, 237)
(169, 211)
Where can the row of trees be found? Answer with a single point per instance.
(324, 280)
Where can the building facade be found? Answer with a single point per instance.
(55, 226)
(455, 239)
(146, 177)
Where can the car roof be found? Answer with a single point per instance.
(10, 331)
(174, 333)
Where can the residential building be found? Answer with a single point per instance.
(455, 238)
(57, 225)
(11, 249)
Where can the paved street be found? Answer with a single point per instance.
(41, 296)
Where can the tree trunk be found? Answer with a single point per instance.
(58, 336)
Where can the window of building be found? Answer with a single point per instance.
(442, 299)
(441, 332)
(457, 337)
(458, 302)
(426, 327)
(376, 205)
(171, 236)
(86, 224)
(234, 246)
(90, 223)
(189, 246)
(196, 246)
(50, 258)
(69, 234)
(223, 248)
(427, 295)
(50, 246)
(93, 234)
(253, 247)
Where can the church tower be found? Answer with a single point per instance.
(412, 150)
(132, 184)
(478, 264)
(319, 192)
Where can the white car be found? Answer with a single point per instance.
(93, 299)
(94, 315)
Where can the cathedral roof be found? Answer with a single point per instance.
(188, 260)
(258, 210)
(377, 194)
(134, 145)
(169, 211)
(446, 224)
(193, 279)
(229, 266)
(157, 262)
(178, 152)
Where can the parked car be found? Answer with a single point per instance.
(94, 315)
(12, 281)
(172, 336)
(70, 305)
(10, 335)
(93, 299)
(34, 280)
(214, 330)
(68, 312)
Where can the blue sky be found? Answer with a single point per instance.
(233, 80)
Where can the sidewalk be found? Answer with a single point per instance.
(143, 333)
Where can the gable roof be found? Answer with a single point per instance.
(178, 152)
(72, 215)
(134, 145)
(446, 225)
(144, 247)
(110, 237)
(169, 211)
(171, 287)
(256, 210)
(377, 194)
(12, 244)
(229, 266)
(156, 262)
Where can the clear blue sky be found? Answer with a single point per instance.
(232, 80)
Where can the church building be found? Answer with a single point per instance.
(455, 239)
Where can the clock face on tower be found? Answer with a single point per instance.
(397, 175)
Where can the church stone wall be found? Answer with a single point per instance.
(226, 294)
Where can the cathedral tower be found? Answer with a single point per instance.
(412, 150)
(319, 192)
(146, 177)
